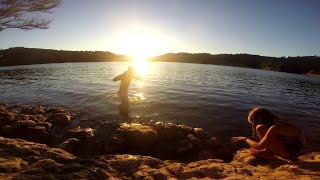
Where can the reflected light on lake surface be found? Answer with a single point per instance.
(137, 97)
(216, 98)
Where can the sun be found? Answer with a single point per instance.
(140, 48)
(140, 44)
(140, 63)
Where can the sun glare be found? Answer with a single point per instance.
(140, 64)
(140, 44)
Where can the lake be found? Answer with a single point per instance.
(216, 98)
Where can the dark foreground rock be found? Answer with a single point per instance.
(20, 159)
(161, 140)
(32, 123)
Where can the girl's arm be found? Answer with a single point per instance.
(257, 145)
(117, 78)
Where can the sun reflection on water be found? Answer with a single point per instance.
(137, 97)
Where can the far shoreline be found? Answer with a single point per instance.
(263, 69)
(305, 65)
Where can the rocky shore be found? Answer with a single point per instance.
(38, 142)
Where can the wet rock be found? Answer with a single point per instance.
(61, 119)
(79, 133)
(57, 110)
(185, 129)
(199, 132)
(33, 110)
(168, 131)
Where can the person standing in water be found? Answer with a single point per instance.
(125, 79)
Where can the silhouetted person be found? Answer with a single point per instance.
(125, 79)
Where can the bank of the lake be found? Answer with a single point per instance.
(114, 151)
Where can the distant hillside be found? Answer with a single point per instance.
(300, 65)
(24, 56)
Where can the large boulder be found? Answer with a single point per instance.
(33, 110)
(21, 159)
(79, 133)
(139, 136)
(60, 119)
(2, 107)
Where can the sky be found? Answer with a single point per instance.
(150, 27)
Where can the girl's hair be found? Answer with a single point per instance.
(260, 115)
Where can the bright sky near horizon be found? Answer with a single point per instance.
(269, 27)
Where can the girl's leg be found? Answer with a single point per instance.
(261, 130)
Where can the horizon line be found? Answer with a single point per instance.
(163, 53)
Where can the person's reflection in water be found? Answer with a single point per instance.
(125, 79)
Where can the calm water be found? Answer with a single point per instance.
(216, 98)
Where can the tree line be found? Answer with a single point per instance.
(25, 56)
(299, 64)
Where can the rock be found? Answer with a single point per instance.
(7, 117)
(90, 146)
(57, 110)
(61, 119)
(21, 159)
(106, 130)
(40, 117)
(47, 125)
(115, 143)
(79, 133)
(18, 117)
(129, 164)
(185, 129)
(70, 145)
(199, 132)
(33, 110)
(168, 131)
(175, 168)
(207, 169)
(246, 157)
(140, 136)
(11, 165)
(7, 130)
(35, 134)
(24, 123)
(2, 108)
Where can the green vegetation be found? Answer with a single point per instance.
(300, 65)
